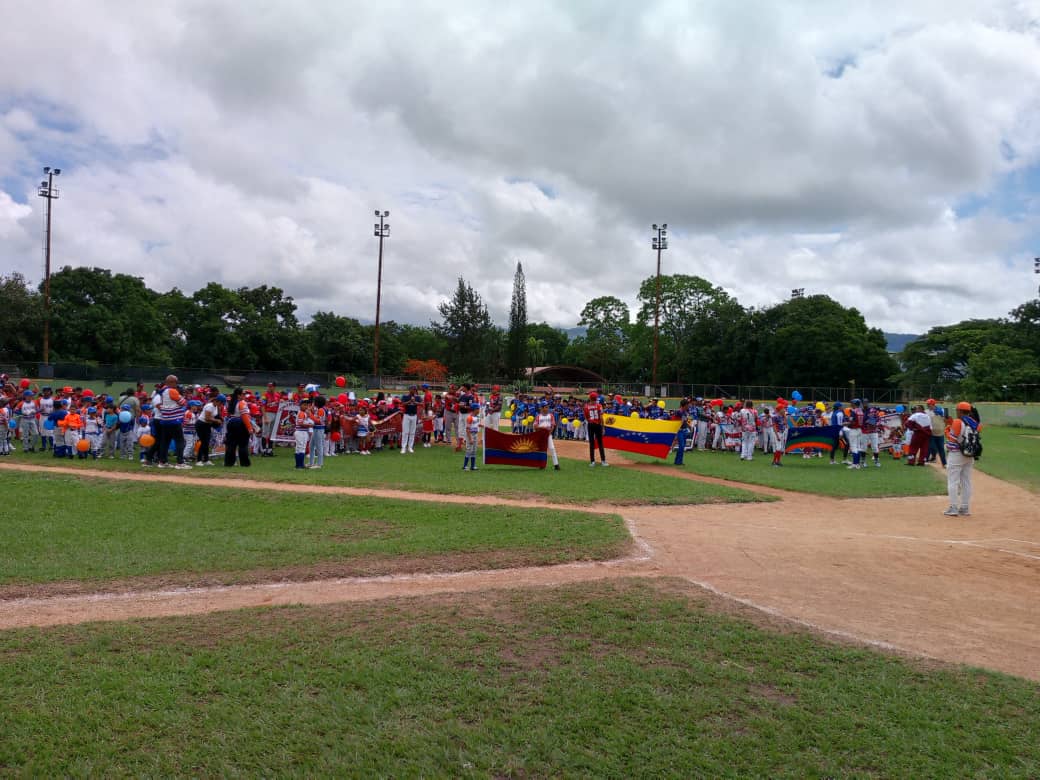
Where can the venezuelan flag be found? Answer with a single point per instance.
(822, 438)
(508, 449)
(635, 434)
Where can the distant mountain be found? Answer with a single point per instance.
(573, 333)
(897, 341)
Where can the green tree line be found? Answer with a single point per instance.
(705, 336)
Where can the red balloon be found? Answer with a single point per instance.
(88, 393)
(342, 398)
(24, 384)
(335, 436)
(341, 381)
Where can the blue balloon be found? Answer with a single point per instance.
(796, 395)
(125, 416)
(12, 424)
(48, 425)
(900, 408)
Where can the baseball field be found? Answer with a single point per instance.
(395, 616)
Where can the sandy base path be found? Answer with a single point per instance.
(889, 572)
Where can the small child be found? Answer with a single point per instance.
(188, 426)
(5, 431)
(302, 434)
(427, 428)
(126, 432)
(143, 426)
(363, 423)
(472, 428)
(92, 427)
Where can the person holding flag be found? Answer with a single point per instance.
(546, 421)
(594, 421)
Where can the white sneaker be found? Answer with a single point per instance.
(951, 511)
(604, 464)
(411, 451)
(183, 466)
(592, 465)
(403, 452)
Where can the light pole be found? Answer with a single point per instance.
(659, 243)
(382, 230)
(47, 190)
(797, 292)
(1036, 270)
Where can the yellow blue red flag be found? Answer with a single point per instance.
(636, 434)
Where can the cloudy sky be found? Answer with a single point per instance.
(886, 154)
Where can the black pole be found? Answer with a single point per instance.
(47, 191)
(382, 230)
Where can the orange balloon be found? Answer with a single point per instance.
(175, 394)
(146, 440)
(83, 445)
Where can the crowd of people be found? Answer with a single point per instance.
(191, 422)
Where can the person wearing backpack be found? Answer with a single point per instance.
(963, 446)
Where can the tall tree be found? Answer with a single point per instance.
(21, 320)
(703, 329)
(938, 361)
(606, 323)
(467, 328)
(554, 341)
(516, 344)
(817, 341)
(110, 318)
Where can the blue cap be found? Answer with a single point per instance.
(194, 403)
(91, 410)
(146, 407)
(222, 398)
(126, 407)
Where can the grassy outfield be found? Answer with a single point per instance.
(636, 678)
(815, 475)
(1012, 454)
(439, 470)
(89, 530)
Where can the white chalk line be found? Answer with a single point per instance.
(978, 543)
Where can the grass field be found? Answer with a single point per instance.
(92, 530)
(815, 475)
(1012, 454)
(635, 678)
(439, 470)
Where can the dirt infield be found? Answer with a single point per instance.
(889, 572)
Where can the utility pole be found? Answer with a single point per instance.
(659, 243)
(46, 190)
(382, 230)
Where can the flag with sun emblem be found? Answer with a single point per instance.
(508, 449)
(637, 434)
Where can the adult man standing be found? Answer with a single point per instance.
(269, 401)
(921, 425)
(961, 461)
(410, 403)
(748, 422)
(169, 412)
(494, 408)
(451, 414)
(684, 430)
(935, 446)
(594, 421)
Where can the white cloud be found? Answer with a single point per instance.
(787, 145)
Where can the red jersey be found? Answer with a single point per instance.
(593, 412)
(270, 400)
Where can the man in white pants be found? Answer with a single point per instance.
(410, 403)
(959, 466)
(748, 422)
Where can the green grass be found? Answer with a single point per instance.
(1012, 454)
(72, 528)
(816, 475)
(439, 470)
(627, 679)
